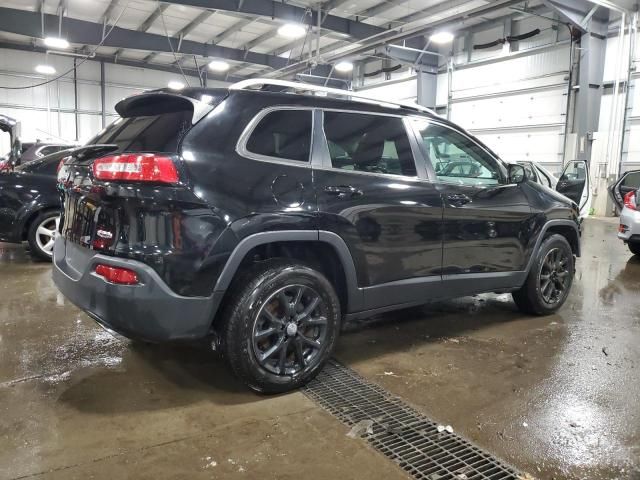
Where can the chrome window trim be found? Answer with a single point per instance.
(241, 145)
(327, 165)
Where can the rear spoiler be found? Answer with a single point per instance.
(159, 101)
(89, 152)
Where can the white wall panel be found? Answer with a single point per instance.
(400, 91)
(487, 36)
(510, 70)
(516, 104)
(541, 145)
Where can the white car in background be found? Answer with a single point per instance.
(629, 228)
(574, 183)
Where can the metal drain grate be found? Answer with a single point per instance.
(402, 434)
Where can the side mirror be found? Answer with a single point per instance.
(517, 173)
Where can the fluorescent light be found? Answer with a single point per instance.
(45, 69)
(218, 66)
(55, 42)
(344, 67)
(442, 37)
(175, 85)
(292, 30)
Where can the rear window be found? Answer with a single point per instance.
(152, 133)
(283, 134)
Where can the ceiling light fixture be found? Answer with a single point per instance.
(344, 66)
(218, 66)
(56, 42)
(292, 30)
(442, 37)
(175, 85)
(45, 69)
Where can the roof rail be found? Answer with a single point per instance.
(307, 87)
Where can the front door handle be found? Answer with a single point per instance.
(458, 199)
(343, 191)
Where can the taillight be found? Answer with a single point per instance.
(60, 165)
(136, 167)
(121, 276)
(630, 200)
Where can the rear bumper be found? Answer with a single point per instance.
(148, 311)
(630, 219)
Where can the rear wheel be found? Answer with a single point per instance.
(42, 234)
(634, 247)
(280, 325)
(549, 280)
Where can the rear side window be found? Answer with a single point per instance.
(153, 133)
(368, 143)
(283, 135)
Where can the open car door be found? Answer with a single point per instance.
(628, 182)
(575, 184)
(12, 157)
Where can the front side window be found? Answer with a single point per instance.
(456, 158)
(368, 143)
(283, 134)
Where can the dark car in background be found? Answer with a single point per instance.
(262, 220)
(30, 205)
(40, 149)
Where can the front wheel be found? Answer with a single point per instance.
(42, 234)
(634, 247)
(280, 325)
(550, 278)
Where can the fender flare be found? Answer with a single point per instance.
(354, 294)
(545, 227)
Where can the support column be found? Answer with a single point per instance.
(587, 104)
(427, 84)
(102, 95)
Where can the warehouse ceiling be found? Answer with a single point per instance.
(189, 34)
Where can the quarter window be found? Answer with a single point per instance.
(283, 134)
(456, 158)
(368, 143)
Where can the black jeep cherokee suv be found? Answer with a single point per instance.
(264, 219)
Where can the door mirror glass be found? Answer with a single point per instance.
(517, 173)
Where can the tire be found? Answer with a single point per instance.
(634, 247)
(549, 281)
(40, 241)
(269, 346)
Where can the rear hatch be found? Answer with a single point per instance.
(123, 190)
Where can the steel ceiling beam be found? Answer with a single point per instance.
(186, 30)
(232, 30)
(286, 13)
(27, 23)
(326, 7)
(146, 24)
(454, 21)
(129, 63)
(576, 12)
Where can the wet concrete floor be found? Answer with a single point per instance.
(556, 397)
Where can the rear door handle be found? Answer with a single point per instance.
(458, 199)
(343, 191)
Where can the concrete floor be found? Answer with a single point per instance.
(556, 397)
